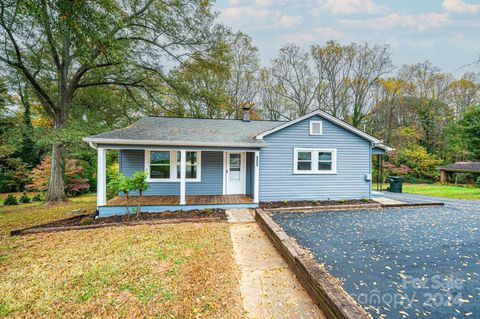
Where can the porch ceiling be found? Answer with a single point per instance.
(175, 200)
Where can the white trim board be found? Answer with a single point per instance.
(312, 123)
(113, 141)
(243, 156)
(173, 167)
(314, 161)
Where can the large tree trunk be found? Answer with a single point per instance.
(56, 185)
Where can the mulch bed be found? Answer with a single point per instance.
(89, 221)
(320, 203)
(178, 214)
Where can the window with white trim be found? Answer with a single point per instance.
(316, 128)
(314, 161)
(191, 164)
(159, 165)
(164, 166)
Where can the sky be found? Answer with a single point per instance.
(445, 32)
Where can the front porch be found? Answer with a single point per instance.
(156, 204)
(175, 200)
(183, 179)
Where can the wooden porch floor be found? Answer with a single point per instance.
(175, 200)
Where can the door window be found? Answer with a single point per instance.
(235, 163)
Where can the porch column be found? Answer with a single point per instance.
(256, 183)
(101, 176)
(183, 161)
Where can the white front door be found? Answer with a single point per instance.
(235, 169)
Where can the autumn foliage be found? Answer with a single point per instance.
(74, 182)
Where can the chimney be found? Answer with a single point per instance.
(246, 114)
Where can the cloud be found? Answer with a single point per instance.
(287, 21)
(327, 33)
(247, 16)
(264, 3)
(297, 37)
(460, 6)
(312, 36)
(419, 22)
(349, 7)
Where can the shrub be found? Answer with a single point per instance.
(423, 165)
(478, 181)
(37, 198)
(365, 200)
(208, 211)
(140, 184)
(112, 173)
(10, 200)
(315, 202)
(86, 221)
(415, 180)
(25, 198)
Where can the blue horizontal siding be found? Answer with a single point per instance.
(105, 211)
(211, 174)
(277, 181)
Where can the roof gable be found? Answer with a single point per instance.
(327, 117)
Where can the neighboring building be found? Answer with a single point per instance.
(207, 163)
(458, 167)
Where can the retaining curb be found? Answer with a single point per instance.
(321, 208)
(323, 288)
(39, 229)
(413, 204)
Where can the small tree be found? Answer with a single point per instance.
(122, 183)
(139, 183)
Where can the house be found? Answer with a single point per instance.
(208, 163)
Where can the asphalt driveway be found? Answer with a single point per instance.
(449, 202)
(415, 262)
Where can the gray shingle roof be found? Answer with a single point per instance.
(188, 131)
(462, 166)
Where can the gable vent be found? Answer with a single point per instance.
(316, 128)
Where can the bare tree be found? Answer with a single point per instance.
(388, 112)
(464, 92)
(333, 63)
(294, 79)
(427, 98)
(273, 106)
(369, 64)
(428, 81)
(242, 85)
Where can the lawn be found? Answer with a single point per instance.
(26, 215)
(161, 271)
(447, 191)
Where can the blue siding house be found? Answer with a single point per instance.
(209, 163)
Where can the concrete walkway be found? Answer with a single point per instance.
(387, 201)
(269, 288)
